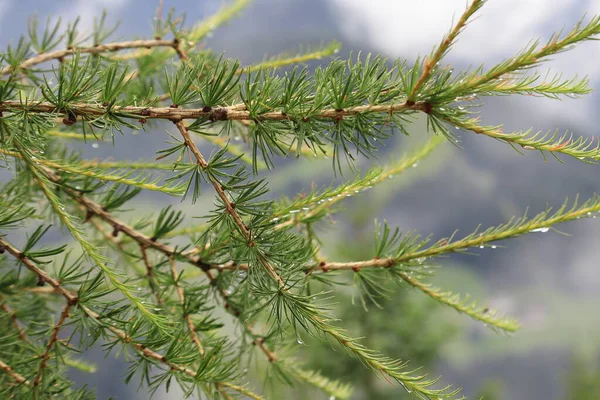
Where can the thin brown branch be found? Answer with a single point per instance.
(53, 339)
(102, 48)
(150, 274)
(72, 300)
(94, 209)
(14, 375)
(228, 204)
(186, 316)
(13, 319)
(42, 275)
(431, 62)
(231, 113)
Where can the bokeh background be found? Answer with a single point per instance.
(549, 281)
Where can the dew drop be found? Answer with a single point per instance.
(305, 209)
(95, 145)
(542, 230)
(415, 165)
(494, 246)
(294, 211)
(482, 247)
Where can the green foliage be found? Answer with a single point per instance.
(256, 257)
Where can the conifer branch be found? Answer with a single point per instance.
(533, 55)
(43, 182)
(226, 202)
(211, 23)
(137, 165)
(309, 207)
(480, 313)
(186, 316)
(283, 60)
(42, 275)
(51, 342)
(72, 300)
(149, 273)
(412, 249)
(86, 169)
(101, 48)
(226, 113)
(578, 147)
(431, 62)
(20, 379)
(257, 267)
(13, 319)
(336, 389)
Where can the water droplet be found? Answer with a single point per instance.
(457, 127)
(542, 230)
(494, 246)
(305, 209)
(95, 145)
(275, 219)
(294, 211)
(336, 51)
(482, 247)
(415, 165)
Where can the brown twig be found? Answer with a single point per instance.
(102, 48)
(231, 113)
(72, 300)
(14, 375)
(228, 204)
(430, 63)
(53, 339)
(42, 275)
(150, 274)
(13, 318)
(186, 316)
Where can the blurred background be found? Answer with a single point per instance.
(547, 280)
